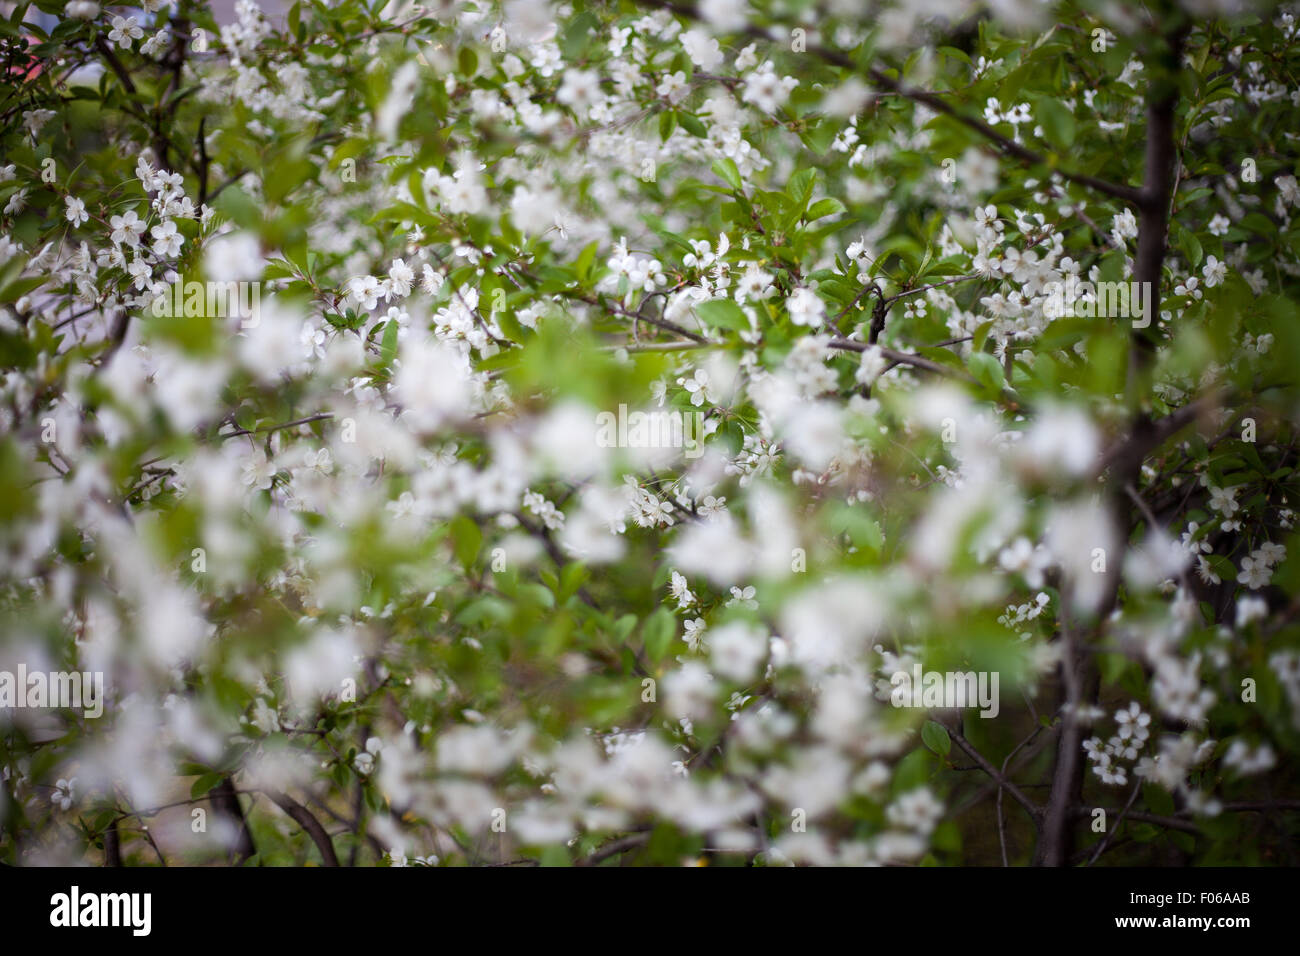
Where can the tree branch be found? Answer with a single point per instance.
(898, 358)
(1008, 147)
(1105, 840)
(1054, 846)
(115, 64)
(1159, 180)
(302, 816)
(226, 803)
(664, 324)
(1034, 811)
(1124, 458)
(614, 847)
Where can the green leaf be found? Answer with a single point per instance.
(1145, 833)
(722, 313)
(1190, 246)
(935, 736)
(204, 784)
(912, 771)
(800, 190)
(467, 59)
(956, 54)
(819, 136)
(1258, 222)
(725, 169)
(824, 207)
(238, 206)
(692, 125)
(579, 36)
(571, 578)
(987, 370)
(20, 287)
(1057, 121)
(467, 539)
(623, 627)
(555, 855)
(1158, 800)
(660, 628)
(947, 837)
(667, 123)
(1111, 666)
(585, 260)
(388, 345)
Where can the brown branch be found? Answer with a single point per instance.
(225, 802)
(1007, 397)
(204, 164)
(1002, 830)
(1054, 846)
(1260, 806)
(898, 358)
(935, 285)
(1184, 825)
(116, 337)
(1105, 840)
(613, 848)
(229, 182)
(153, 843)
(115, 64)
(275, 428)
(866, 290)
(664, 324)
(112, 845)
(302, 816)
(1160, 177)
(1124, 458)
(1124, 461)
(1034, 811)
(1170, 823)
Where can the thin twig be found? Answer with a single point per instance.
(1034, 811)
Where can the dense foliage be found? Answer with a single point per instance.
(381, 572)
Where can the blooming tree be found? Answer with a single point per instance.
(319, 338)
